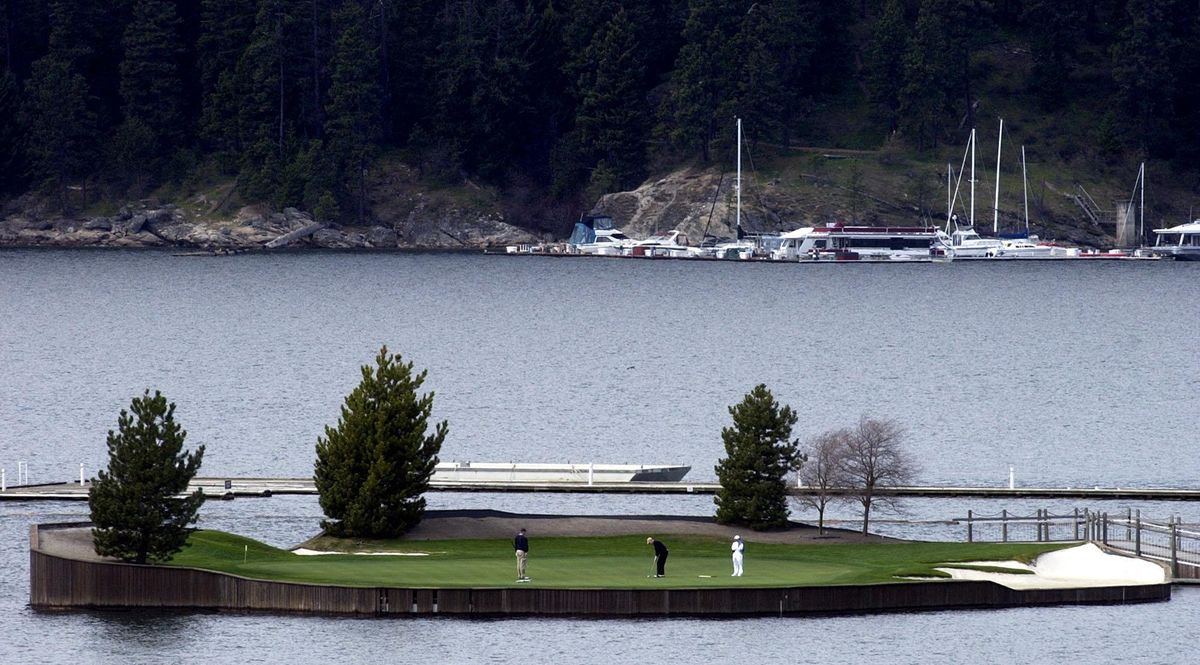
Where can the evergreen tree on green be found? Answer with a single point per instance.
(352, 113)
(135, 509)
(612, 121)
(151, 85)
(759, 452)
(372, 468)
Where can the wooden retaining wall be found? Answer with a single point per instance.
(59, 582)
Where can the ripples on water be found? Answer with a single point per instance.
(1076, 374)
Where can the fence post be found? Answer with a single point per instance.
(1174, 550)
(970, 527)
(1075, 522)
(1137, 547)
(1004, 525)
(1104, 529)
(1128, 523)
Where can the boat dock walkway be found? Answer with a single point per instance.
(231, 487)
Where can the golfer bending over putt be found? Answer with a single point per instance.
(660, 557)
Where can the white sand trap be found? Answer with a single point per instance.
(1074, 567)
(307, 552)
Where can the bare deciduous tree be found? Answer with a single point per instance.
(825, 472)
(876, 458)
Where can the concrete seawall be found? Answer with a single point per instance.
(58, 582)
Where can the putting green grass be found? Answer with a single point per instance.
(623, 562)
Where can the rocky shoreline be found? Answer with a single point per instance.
(253, 228)
(404, 215)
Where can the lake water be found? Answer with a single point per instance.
(1073, 373)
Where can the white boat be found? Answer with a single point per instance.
(739, 247)
(666, 245)
(1179, 242)
(964, 242)
(595, 234)
(469, 472)
(838, 242)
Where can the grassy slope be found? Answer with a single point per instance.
(610, 562)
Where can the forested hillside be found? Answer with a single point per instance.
(554, 102)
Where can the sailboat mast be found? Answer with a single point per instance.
(1025, 187)
(949, 200)
(972, 177)
(738, 185)
(1142, 209)
(996, 201)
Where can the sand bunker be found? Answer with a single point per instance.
(1074, 567)
(307, 552)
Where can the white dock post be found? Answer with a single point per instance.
(591, 472)
(22, 473)
(1011, 479)
(3, 482)
(81, 474)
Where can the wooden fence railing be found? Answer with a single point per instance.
(1170, 542)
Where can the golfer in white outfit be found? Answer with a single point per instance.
(738, 547)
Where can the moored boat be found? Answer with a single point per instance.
(856, 243)
(1181, 242)
(467, 472)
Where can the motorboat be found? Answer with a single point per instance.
(595, 234)
(1181, 242)
(672, 244)
(856, 243)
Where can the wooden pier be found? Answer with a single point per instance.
(233, 487)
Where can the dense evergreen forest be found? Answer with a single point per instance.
(297, 99)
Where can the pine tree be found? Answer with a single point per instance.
(61, 126)
(923, 98)
(134, 504)
(703, 79)
(884, 62)
(225, 30)
(263, 121)
(352, 113)
(612, 122)
(372, 469)
(12, 167)
(759, 454)
(1143, 69)
(1055, 29)
(762, 93)
(151, 85)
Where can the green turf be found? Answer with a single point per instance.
(610, 562)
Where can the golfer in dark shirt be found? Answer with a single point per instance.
(660, 557)
(521, 545)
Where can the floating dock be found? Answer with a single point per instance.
(231, 487)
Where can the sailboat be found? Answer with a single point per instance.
(964, 242)
(739, 247)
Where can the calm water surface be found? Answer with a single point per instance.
(1075, 374)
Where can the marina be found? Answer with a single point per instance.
(1057, 368)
